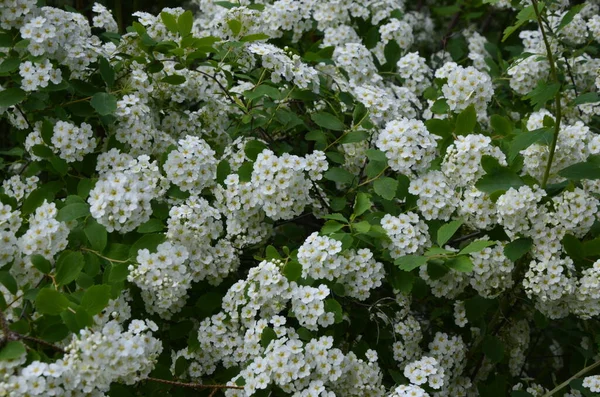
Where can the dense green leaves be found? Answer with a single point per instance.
(328, 121)
(52, 302)
(104, 103)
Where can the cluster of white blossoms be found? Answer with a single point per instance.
(38, 75)
(438, 197)
(103, 18)
(592, 383)
(356, 60)
(408, 234)
(396, 31)
(18, 187)
(408, 145)
(478, 210)
(492, 271)
(45, 236)
(465, 87)
(322, 258)
(10, 222)
(92, 362)
(415, 72)
(192, 166)
(197, 226)
(575, 143)
(70, 142)
(163, 278)
(284, 67)
(519, 209)
(136, 124)
(121, 198)
(280, 185)
(462, 163)
(425, 370)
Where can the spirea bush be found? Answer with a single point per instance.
(308, 198)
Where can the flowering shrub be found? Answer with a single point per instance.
(301, 198)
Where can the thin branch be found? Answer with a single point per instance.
(193, 385)
(577, 375)
(557, 104)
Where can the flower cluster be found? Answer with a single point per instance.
(280, 185)
(93, 361)
(192, 166)
(72, 142)
(163, 278)
(322, 258)
(408, 234)
(408, 145)
(36, 75)
(121, 198)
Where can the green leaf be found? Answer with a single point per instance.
(35, 199)
(440, 107)
(254, 148)
(526, 139)
(73, 211)
(517, 248)
(386, 187)
(59, 165)
(331, 227)
(262, 91)
(174, 79)
(148, 241)
(12, 351)
(588, 97)
(586, 170)
(41, 263)
(339, 175)
(153, 225)
(68, 267)
(118, 272)
(461, 263)
(476, 307)
(493, 348)
(169, 21)
(568, 17)
(410, 262)
(235, 26)
(362, 203)
(466, 121)
(336, 217)
(445, 232)
(254, 37)
(104, 103)
(501, 125)
(51, 302)
(476, 246)
(223, 171)
(333, 306)
(573, 247)
(42, 151)
(185, 22)
(354, 136)
(96, 235)
(95, 299)
(542, 93)
(362, 227)
(9, 282)
(502, 180)
(11, 96)
(328, 121)
(267, 336)
(9, 65)
(292, 270)
(526, 14)
(106, 71)
(376, 155)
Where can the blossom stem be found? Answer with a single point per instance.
(577, 375)
(557, 105)
(193, 385)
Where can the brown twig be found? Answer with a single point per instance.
(193, 385)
